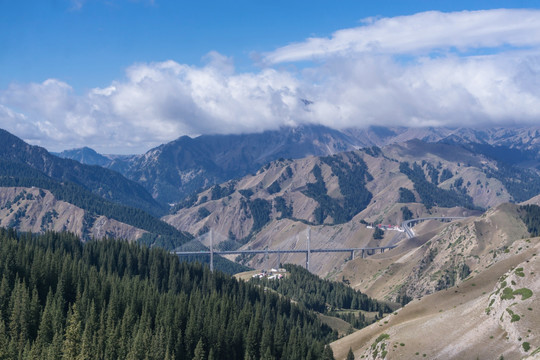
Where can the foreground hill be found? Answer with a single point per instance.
(490, 313)
(60, 298)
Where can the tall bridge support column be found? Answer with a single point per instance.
(352, 255)
(211, 252)
(363, 254)
(308, 248)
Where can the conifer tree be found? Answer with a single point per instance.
(267, 355)
(72, 341)
(88, 336)
(137, 350)
(199, 353)
(55, 349)
(3, 339)
(328, 354)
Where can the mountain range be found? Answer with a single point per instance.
(174, 170)
(337, 195)
(273, 190)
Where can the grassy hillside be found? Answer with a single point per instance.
(466, 284)
(472, 320)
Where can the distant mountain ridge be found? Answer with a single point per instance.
(85, 155)
(103, 182)
(176, 169)
(36, 210)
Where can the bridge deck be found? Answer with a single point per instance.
(303, 251)
(408, 231)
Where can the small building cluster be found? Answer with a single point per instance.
(272, 274)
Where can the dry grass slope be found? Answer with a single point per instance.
(490, 313)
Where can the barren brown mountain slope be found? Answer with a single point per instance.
(36, 210)
(274, 206)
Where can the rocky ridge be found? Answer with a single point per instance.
(37, 211)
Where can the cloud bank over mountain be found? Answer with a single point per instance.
(478, 68)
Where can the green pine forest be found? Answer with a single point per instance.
(64, 299)
(324, 296)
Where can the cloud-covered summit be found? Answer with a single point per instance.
(430, 69)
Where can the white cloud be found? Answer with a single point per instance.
(359, 83)
(421, 33)
(157, 102)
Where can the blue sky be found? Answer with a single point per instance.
(124, 75)
(88, 43)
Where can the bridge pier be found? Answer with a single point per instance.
(308, 248)
(211, 252)
(352, 255)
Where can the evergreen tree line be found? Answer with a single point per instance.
(522, 184)
(530, 214)
(100, 181)
(352, 177)
(61, 299)
(281, 206)
(357, 321)
(219, 192)
(430, 193)
(319, 294)
(406, 195)
(260, 210)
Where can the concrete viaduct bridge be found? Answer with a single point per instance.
(364, 251)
